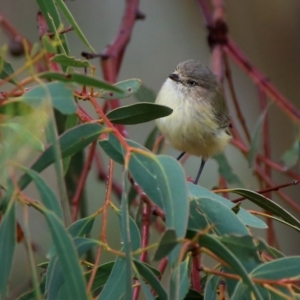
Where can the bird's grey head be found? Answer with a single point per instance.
(192, 74)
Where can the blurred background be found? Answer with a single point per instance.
(173, 31)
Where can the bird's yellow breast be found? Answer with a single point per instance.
(192, 126)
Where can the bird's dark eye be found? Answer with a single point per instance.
(191, 83)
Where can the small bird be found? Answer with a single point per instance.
(200, 120)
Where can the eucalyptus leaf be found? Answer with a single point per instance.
(59, 94)
(129, 87)
(138, 113)
(80, 79)
(70, 61)
(15, 107)
(6, 70)
(70, 142)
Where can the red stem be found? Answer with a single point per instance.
(82, 180)
(262, 82)
(112, 56)
(196, 264)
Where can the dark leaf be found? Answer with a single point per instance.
(138, 113)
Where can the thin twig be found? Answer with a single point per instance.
(82, 180)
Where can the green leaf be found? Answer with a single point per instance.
(60, 95)
(32, 294)
(226, 171)
(164, 182)
(248, 219)
(126, 238)
(180, 281)
(224, 220)
(267, 205)
(211, 287)
(113, 148)
(7, 246)
(291, 156)
(14, 108)
(145, 288)
(144, 94)
(6, 70)
(149, 143)
(50, 13)
(197, 219)
(70, 142)
(82, 227)
(282, 268)
(210, 242)
(255, 137)
(152, 279)
(47, 196)
(135, 235)
(70, 61)
(67, 257)
(168, 242)
(102, 274)
(80, 79)
(64, 9)
(21, 134)
(138, 113)
(129, 87)
(117, 278)
(83, 245)
(48, 44)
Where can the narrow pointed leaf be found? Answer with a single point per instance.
(224, 220)
(117, 278)
(145, 94)
(129, 87)
(248, 219)
(14, 108)
(291, 156)
(168, 242)
(70, 142)
(64, 9)
(22, 134)
(67, 256)
(59, 94)
(152, 279)
(51, 15)
(70, 61)
(267, 205)
(6, 70)
(80, 79)
(138, 113)
(256, 137)
(211, 243)
(126, 238)
(7, 246)
(47, 196)
(226, 171)
(180, 281)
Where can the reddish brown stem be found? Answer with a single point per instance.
(235, 100)
(262, 82)
(196, 264)
(145, 240)
(272, 189)
(104, 223)
(112, 56)
(82, 180)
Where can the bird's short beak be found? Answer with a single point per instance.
(174, 77)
